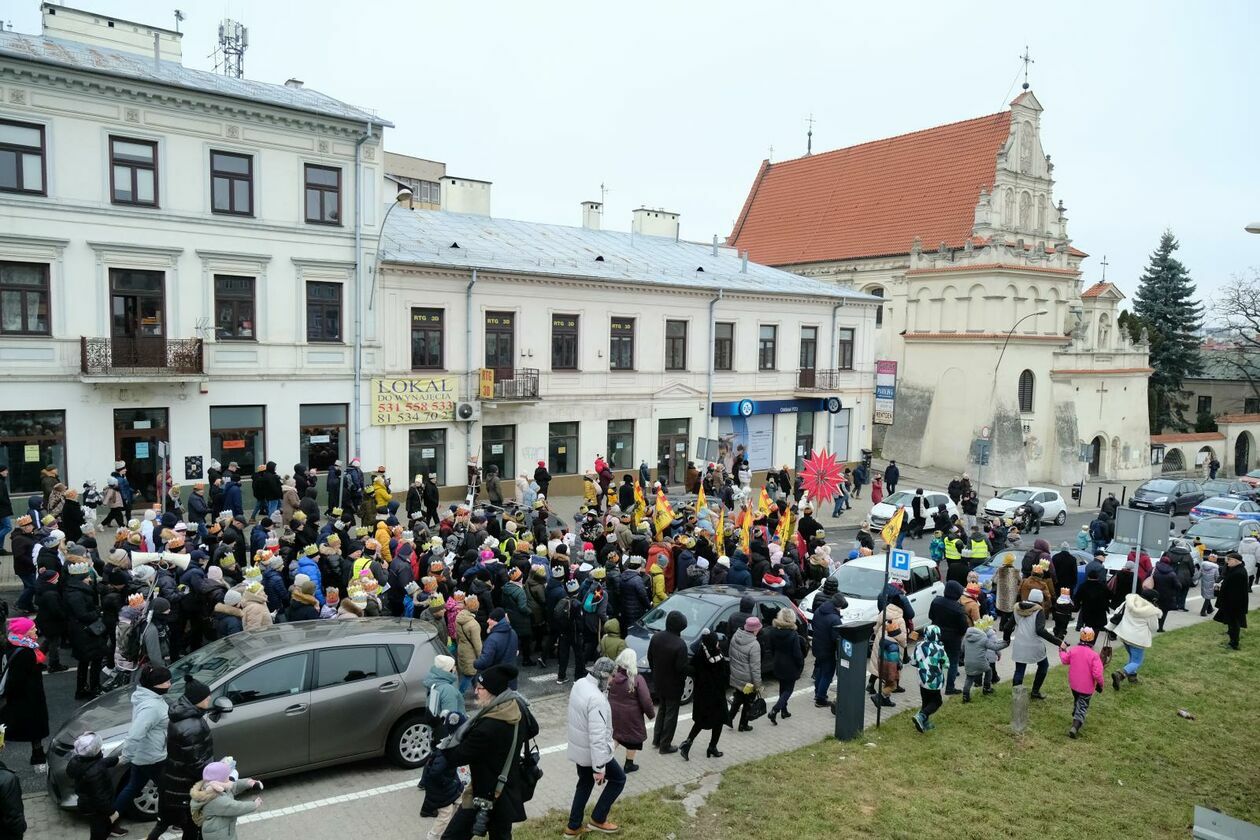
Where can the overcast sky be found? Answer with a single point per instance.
(1150, 107)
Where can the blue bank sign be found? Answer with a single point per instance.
(747, 408)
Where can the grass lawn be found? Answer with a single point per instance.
(1137, 771)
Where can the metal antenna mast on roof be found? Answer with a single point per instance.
(809, 135)
(229, 57)
(1027, 59)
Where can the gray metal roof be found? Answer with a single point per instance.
(97, 59)
(425, 237)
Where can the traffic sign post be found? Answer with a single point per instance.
(1142, 530)
(899, 564)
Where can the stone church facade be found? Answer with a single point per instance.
(956, 227)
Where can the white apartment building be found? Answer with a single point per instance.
(637, 346)
(177, 258)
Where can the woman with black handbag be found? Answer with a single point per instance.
(787, 648)
(711, 670)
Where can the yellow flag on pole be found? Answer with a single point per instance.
(640, 504)
(745, 534)
(785, 528)
(893, 528)
(701, 504)
(763, 503)
(664, 512)
(721, 527)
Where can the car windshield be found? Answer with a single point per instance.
(1218, 528)
(206, 664)
(1221, 503)
(1216, 486)
(1016, 495)
(1117, 547)
(901, 497)
(697, 611)
(1160, 486)
(859, 582)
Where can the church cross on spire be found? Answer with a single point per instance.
(1104, 265)
(1027, 59)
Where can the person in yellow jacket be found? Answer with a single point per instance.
(382, 538)
(656, 575)
(380, 492)
(370, 549)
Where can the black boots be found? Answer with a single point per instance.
(1074, 729)
(713, 752)
(774, 713)
(684, 749)
(630, 766)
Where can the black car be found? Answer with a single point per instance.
(705, 607)
(1167, 495)
(1226, 487)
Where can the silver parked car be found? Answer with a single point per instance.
(288, 698)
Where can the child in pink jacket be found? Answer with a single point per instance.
(1085, 676)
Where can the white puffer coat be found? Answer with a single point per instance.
(1139, 621)
(590, 725)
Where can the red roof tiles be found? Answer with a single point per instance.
(1096, 290)
(872, 199)
(1187, 437)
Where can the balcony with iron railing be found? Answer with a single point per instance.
(810, 379)
(513, 385)
(142, 357)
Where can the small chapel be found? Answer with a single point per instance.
(994, 332)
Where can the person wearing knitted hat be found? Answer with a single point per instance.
(91, 772)
(444, 696)
(51, 618)
(501, 645)
(25, 713)
(745, 655)
(1027, 646)
(189, 748)
(303, 605)
(484, 744)
(254, 612)
(213, 804)
(590, 747)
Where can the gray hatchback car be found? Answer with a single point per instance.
(288, 698)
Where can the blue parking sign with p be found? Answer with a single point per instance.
(899, 564)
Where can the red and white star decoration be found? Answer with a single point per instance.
(821, 475)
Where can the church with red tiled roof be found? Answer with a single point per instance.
(985, 318)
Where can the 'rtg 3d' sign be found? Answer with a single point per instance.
(414, 400)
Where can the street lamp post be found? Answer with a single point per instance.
(404, 194)
(993, 389)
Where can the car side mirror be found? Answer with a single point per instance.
(221, 706)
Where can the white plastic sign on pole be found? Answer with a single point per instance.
(899, 567)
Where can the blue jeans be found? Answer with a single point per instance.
(6, 527)
(273, 505)
(614, 781)
(1043, 667)
(140, 773)
(1137, 655)
(839, 505)
(824, 673)
(465, 683)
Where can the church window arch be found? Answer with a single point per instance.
(975, 308)
(877, 291)
(1027, 383)
(949, 310)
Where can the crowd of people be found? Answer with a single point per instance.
(508, 583)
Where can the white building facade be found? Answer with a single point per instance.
(177, 259)
(631, 345)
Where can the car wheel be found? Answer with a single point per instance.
(144, 805)
(1061, 518)
(411, 741)
(689, 688)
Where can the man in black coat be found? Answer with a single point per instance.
(543, 478)
(484, 743)
(83, 610)
(1231, 603)
(23, 542)
(632, 593)
(670, 664)
(892, 475)
(189, 749)
(1064, 564)
(948, 614)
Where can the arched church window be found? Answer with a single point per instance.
(1026, 384)
(878, 291)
